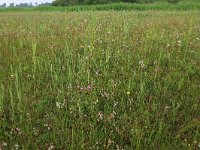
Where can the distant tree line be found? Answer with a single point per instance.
(80, 2)
(22, 5)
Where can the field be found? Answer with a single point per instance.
(100, 80)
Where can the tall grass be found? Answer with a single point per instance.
(100, 80)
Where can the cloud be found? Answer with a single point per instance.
(24, 1)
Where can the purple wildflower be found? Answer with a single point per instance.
(89, 88)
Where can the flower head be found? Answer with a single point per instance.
(89, 87)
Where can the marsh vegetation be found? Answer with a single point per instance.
(100, 80)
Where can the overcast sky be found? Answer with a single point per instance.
(24, 1)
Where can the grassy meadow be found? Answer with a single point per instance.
(121, 80)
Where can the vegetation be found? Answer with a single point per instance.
(185, 5)
(100, 80)
(75, 2)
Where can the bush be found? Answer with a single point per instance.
(73, 2)
(174, 1)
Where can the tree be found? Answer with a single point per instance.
(3, 5)
(12, 5)
(173, 1)
(73, 2)
(64, 2)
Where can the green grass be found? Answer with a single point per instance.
(100, 80)
(181, 6)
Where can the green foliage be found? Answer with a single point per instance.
(174, 1)
(183, 5)
(75, 2)
(108, 80)
(72, 2)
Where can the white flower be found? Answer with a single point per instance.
(100, 116)
(51, 147)
(58, 104)
(168, 45)
(141, 64)
(4, 144)
(61, 104)
(16, 146)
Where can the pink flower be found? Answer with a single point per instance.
(89, 87)
(82, 88)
